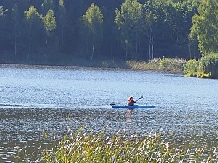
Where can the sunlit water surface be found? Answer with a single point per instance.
(39, 104)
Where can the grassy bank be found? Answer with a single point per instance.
(173, 65)
(83, 147)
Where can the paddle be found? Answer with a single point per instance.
(140, 98)
(113, 103)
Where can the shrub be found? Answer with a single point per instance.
(210, 64)
(174, 65)
(207, 66)
(190, 69)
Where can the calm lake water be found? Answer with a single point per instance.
(40, 104)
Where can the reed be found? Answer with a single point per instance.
(174, 65)
(82, 147)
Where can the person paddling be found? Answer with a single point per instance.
(130, 101)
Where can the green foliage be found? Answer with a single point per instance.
(210, 64)
(205, 27)
(35, 29)
(93, 18)
(174, 65)
(32, 15)
(206, 67)
(190, 68)
(127, 30)
(168, 64)
(49, 22)
(82, 147)
(130, 22)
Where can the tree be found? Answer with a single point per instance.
(62, 14)
(16, 17)
(93, 20)
(159, 28)
(130, 22)
(205, 28)
(49, 22)
(34, 20)
(181, 23)
(137, 29)
(150, 20)
(4, 30)
(50, 41)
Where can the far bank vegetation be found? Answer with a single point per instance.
(58, 32)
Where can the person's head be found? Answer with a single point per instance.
(131, 98)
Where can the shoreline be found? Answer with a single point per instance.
(155, 65)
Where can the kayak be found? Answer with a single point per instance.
(132, 107)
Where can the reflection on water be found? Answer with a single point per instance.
(39, 105)
(25, 132)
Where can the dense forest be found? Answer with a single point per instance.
(49, 30)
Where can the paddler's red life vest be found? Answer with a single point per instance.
(130, 102)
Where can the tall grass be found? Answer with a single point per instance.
(174, 65)
(82, 147)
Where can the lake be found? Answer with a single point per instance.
(39, 104)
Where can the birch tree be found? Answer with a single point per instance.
(35, 23)
(130, 22)
(49, 23)
(93, 20)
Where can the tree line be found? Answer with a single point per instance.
(47, 30)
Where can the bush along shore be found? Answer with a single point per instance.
(171, 65)
(205, 67)
(99, 147)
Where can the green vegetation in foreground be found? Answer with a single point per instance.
(82, 147)
(205, 67)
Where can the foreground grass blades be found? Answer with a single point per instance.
(82, 147)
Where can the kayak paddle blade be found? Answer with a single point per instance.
(113, 103)
(141, 97)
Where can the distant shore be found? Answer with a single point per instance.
(169, 65)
